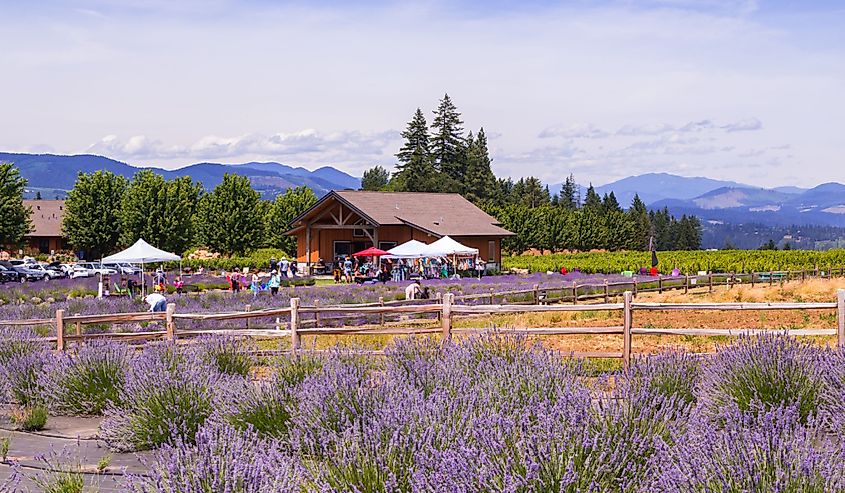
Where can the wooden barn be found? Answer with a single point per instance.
(345, 222)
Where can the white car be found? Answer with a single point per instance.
(48, 273)
(123, 268)
(90, 269)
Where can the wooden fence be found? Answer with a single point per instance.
(447, 312)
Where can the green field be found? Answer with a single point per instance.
(686, 261)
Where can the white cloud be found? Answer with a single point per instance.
(574, 131)
(743, 125)
(308, 146)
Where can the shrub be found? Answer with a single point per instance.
(293, 370)
(84, 383)
(833, 394)
(168, 395)
(30, 418)
(220, 459)
(17, 342)
(673, 373)
(762, 373)
(265, 408)
(20, 377)
(60, 472)
(230, 355)
(755, 451)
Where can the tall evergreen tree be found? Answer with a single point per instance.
(375, 179)
(479, 181)
(14, 216)
(592, 201)
(530, 192)
(638, 215)
(159, 211)
(447, 140)
(610, 204)
(92, 213)
(416, 170)
(230, 218)
(569, 194)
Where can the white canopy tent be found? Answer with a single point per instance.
(141, 253)
(409, 249)
(446, 247)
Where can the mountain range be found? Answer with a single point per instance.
(713, 201)
(53, 175)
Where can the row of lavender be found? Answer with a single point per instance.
(40, 301)
(492, 413)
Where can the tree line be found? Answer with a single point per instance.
(105, 212)
(442, 158)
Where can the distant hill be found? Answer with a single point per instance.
(653, 187)
(53, 175)
(823, 205)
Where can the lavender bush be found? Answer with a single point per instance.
(672, 373)
(264, 407)
(833, 393)
(84, 383)
(220, 459)
(763, 372)
(168, 394)
(770, 450)
(230, 355)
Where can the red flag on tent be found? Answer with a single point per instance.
(370, 252)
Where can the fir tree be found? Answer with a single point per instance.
(638, 215)
(592, 201)
(479, 181)
(14, 216)
(416, 171)
(610, 204)
(569, 194)
(447, 141)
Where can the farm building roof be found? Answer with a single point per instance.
(441, 214)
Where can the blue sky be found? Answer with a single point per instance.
(751, 91)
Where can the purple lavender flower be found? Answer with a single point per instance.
(168, 394)
(82, 384)
(763, 372)
(221, 459)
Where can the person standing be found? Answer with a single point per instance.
(347, 269)
(283, 267)
(294, 267)
(274, 283)
(273, 264)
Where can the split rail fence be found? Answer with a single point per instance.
(445, 309)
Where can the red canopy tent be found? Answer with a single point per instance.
(370, 252)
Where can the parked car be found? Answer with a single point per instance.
(90, 269)
(31, 274)
(58, 269)
(8, 274)
(24, 261)
(124, 268)
(49, 273)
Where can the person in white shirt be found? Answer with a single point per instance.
(157, 302)
(413, 290)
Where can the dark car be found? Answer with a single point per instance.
(31, 274)
(9, 275)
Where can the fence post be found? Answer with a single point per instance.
(381, 304)
(248, 309)
(635, 286)
(752, 279)
(686, 283)
(628, 318)
(316, 314)
(606, 292)
(574, 292)
(709, 282)
(438, 298)
(446, 315)
(60, 330)
(169, 324)
(536, 294)
(772, 277)
(840, 317)
(659, 284)
(491, 295)
(294, 324)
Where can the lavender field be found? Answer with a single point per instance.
(78, 297)
(493, 413)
